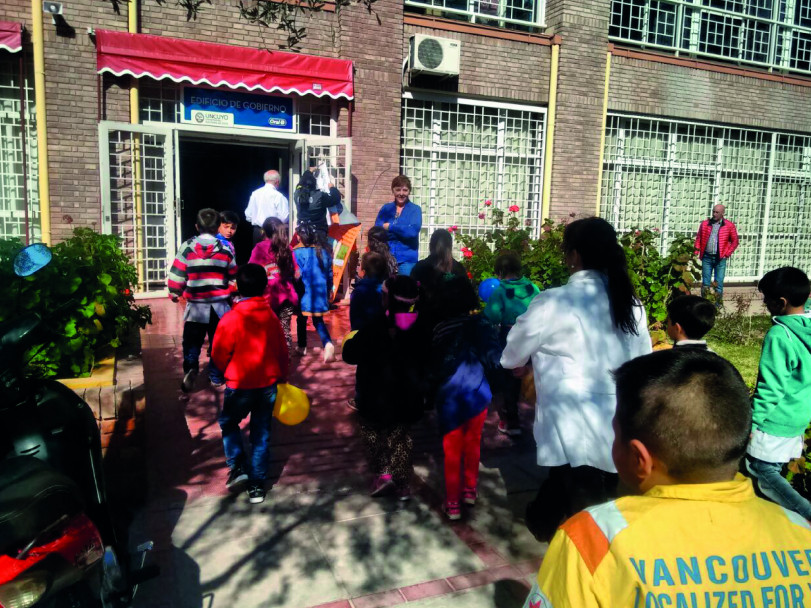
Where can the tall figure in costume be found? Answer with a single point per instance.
(403, 221)
(716, 241)
(575, 336)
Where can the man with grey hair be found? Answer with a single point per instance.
(266, 202)
(717, 239)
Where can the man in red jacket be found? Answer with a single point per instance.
(250, 346)
(716, 240)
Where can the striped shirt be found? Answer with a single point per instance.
(203, 271)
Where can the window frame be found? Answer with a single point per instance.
(498, 19)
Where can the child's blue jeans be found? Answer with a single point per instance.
(238, 404)
(193, 336)
(320, 327)
(775, 487)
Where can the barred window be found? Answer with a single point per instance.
(461, 153)
(514, 14)
(767, 33)
(667, 174)
(18, 179)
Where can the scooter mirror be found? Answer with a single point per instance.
(31, 258)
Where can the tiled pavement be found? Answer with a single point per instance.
(318, 539)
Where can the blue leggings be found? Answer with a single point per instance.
(320, 327)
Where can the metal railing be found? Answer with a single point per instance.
(774, 34)
(515, 14)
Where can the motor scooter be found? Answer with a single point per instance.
(58, 544)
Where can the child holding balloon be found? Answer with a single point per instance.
(250, 346)
(505, 303)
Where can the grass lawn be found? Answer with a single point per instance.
(739, 340)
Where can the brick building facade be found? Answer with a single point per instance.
(691, 119)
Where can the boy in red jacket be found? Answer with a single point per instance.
(250, 346)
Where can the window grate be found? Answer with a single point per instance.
(14, 177)
(766, 33)
(459, 154)
(668, 175)
(513, 14)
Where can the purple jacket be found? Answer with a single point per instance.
(280, 289)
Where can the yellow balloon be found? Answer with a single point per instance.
(292, 404)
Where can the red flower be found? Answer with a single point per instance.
(467, 252)
(127, 292)
(481, 216)
(513, 209)
(488, 203)
(470, 275)
(656, 230)
(637, 233)
(453, 229)
(546, 228)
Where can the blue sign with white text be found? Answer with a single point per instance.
(219, 107)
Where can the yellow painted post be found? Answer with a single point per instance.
(602, 131)
(137, 171)
(38, 42)
(550, 132)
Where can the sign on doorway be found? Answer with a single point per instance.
(224, 107)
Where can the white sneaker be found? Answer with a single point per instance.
(329, 352)
(301, 350)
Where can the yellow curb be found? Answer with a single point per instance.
(103, 375)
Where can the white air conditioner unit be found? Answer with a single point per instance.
(432, 55)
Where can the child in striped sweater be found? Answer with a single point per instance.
(202, 276)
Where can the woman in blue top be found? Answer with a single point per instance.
(403, 221)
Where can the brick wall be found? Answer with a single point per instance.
(583, 26)
(647, 87)
(494, 68)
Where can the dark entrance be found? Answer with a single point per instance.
(222, 176)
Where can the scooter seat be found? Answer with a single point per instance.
(32, 497)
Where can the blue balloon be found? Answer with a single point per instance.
(487, 287)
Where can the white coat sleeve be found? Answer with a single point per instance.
(250, 210)
(642, 343)
(528, 334)
(284, 209)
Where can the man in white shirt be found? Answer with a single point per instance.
(266, 202)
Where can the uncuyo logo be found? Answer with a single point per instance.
(199, 117)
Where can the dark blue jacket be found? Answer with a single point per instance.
(366, 303)
(404, 231)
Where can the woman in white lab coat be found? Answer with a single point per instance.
(574, 336)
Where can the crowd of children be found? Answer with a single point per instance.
(683, 424)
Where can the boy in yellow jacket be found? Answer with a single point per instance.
(696, 536)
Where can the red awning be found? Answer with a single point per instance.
(222, 65)
(11, 36)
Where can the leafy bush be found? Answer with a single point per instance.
(84, 297)
(656, 278)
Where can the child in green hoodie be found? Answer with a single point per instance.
(508, 302)
(782, 403)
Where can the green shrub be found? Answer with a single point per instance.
(84, 297)
(656, 278)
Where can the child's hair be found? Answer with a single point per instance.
(229, 217)
(251, 280)
(277, 233)
(507, 264)
(377, 240)
(400, 181)
(695, 315)
(374, 266)
(787, 282)
(456, 297)
(309, 238)
(441, 247)
(688, 406)
(402, 294)
(207, 221)
(307, 184)
(596, 242)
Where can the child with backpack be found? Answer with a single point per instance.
(389, 353)
(464, 351)
(508, 302)
(315, 268)
(275, 256)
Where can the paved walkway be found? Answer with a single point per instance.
(319, 539)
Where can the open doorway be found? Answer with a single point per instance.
(222, 175)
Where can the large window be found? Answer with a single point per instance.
(769, 33)
(514, 14)
(18, 154)
(461, 153)
(668, 175)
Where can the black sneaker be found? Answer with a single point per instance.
(188, 380)
(256, 493)
(236, 477)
